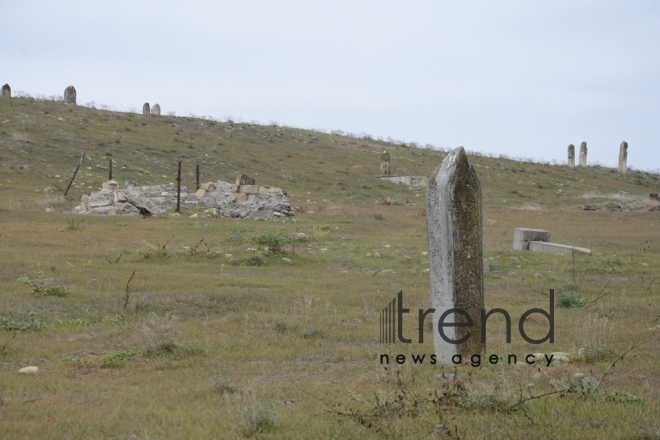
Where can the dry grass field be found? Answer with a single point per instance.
(194, 347)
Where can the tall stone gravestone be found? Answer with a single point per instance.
(70, 95)
(571, 155)
(623, 157)
(454, 227)
(385, 163)
(6, 91)
(145, 109)
(155, 110)
(583, 154)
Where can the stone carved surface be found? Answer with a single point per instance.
(454, 228)
(145, 109)
(623, 157)
(70, 95)
(155, 110)
(583, 154)
(6, 91)
(385, 163)
(243, 179)
(571, 155)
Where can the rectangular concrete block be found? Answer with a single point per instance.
(200, 193)
(264, 189)
(523, 236)
(554, 248)
(249, 189)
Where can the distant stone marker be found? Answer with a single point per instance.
(571, 155)
(155, 110)
(455, 236)
(6, 91)
(583, 154)
(385, 163)
(243, 179)
(145, 109)
(70, 95)
(623, 157)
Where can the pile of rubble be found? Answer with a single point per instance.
(221, 199)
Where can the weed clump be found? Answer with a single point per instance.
(10, 323)
(40, 285)
(570, 299)
(257, 420)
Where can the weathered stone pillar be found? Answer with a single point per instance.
(155, 110)
(6, 91)
(70, 95)
(571, 155)
(145, 109)
(623, 157)
(385, 163)
(454, 227)
(583, 154)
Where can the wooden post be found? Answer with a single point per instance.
(197, 176)
(178, 189)
(110, 169)
(74, 174)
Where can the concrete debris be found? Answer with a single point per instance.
(223, 199)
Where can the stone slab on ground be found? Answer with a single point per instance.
(555, 248)
(523, 236)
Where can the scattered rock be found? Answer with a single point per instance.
(445, 376)
(490, 222)
(233, 262)
(287, 260)
(29, 370)
(49, 209)
(377, 255)
(263, 203)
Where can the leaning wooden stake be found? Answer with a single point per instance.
(454, 226)
(197, 176)
(178, 189)
(74, 174)
(110, 169)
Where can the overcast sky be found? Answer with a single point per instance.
(522, 78)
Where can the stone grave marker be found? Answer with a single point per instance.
(455, 236)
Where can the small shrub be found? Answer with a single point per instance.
(570, 299)
(280, 325)
(270, 238)
(379, 217)
(115, 359)
(74, 224)
(255, 261)
(10, 323)
(41, 286)
(221, 385)
(257, 420)
(312, 332)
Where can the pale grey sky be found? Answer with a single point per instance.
(521, 77)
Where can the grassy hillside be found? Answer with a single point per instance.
(49, 137)
(285, 344)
